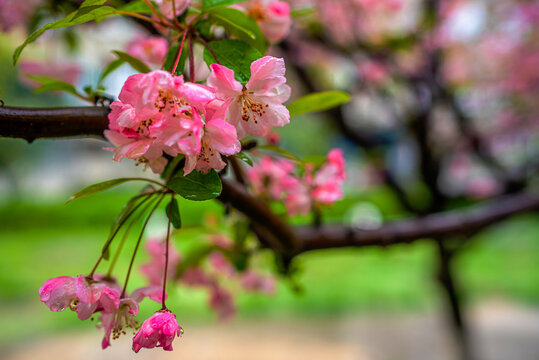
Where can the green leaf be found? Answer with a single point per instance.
(216, 4)
(318, 102)
(139, 7)
(95, 188)
(196, 186)
(235, 55)
(111, 66)
(241, 26)
(244, 157)
(50, 84)
(173, 213)
(135, 63)
(90, 10)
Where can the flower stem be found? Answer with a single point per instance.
(207, 46)
(138, 244)
(111, 237)
(166, 256)
(122, 242)
(191, 59)
(179, 52)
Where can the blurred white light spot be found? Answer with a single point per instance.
(468, 21)
(364, 216)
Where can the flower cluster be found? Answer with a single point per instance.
(276, 180)
(89, 296)
(209, 275)
(160, 114)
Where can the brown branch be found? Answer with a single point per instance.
(43, 123)
(446, 223)
(35, 123)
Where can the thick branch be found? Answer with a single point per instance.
(446, 223)
(236, 195)
(35, 123)
(43, 123)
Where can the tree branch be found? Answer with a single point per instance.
(445, 223)
(34, 123)
(31, 124)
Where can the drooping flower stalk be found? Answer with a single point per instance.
(163, 306)
(138, 244)
(179, 52)
(113, 235)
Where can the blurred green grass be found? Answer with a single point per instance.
(42, 240)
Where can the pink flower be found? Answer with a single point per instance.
(157, 113)
(159, 330)
(58, 293)
(328, 180)
(153, 292)
(94, 296)
(221, 264)
(252, 281)
(80, 294)
(154, 269)
(221, 301)
(220, 138)
(256, 107)
(115, 323)
(165, 6)
(195, 276)
(272, 16)
(151, 50)
(272, 177)
(276, 180)
(298, 201)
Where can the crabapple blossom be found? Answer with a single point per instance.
(159, 330)
(256, 107)
(221, 301)
(152, 50)
(272, 16)
(272, 176)
(327, 182)
(153, 270)
(114, 323)
(219, 138)
(80, 294)
(221, 264)
(298, 200)
(157, 113)
(58, 293)
(253, 281)
(166, 7)
(276, 179)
